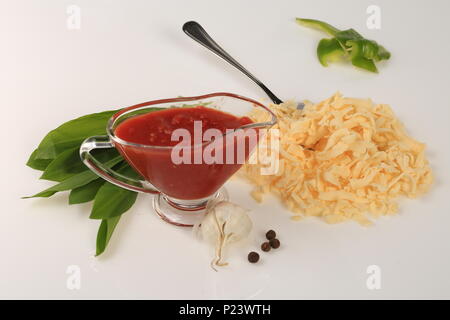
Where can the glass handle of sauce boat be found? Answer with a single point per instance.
(104, 142)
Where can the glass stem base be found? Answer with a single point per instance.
(185, 213)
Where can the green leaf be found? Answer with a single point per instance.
(111, 200)
(66, 164)
(75, 181)
(69, 163)
(60, 139)
(109, 205)
(85, 193)
(190, 105)
(104, 234)
(38, 164)
(71, 134)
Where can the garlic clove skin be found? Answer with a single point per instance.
(238, 225)
(233, 218)
(225, 223)
(208, 229)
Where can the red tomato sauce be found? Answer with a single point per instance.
(187, 181)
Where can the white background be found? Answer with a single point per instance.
(128, 52)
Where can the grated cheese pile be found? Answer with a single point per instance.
(341, 159)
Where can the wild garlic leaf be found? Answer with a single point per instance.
(110, 203)
(66, 164)
(36, 163)
(85, 193)
(41, 158)
(111, 200)
(70, 135)
(104, 234)
(69, 163)
(75, 181)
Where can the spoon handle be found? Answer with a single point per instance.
(196, 32)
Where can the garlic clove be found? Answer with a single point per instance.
(225, 223)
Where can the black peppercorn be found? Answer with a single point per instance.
(275, 243)
(265, 246)
(253, 257)
(270, 235)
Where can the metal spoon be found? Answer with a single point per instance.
(194, 30)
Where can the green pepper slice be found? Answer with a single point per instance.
(363, 52)
(316, 24)
(329, 50)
